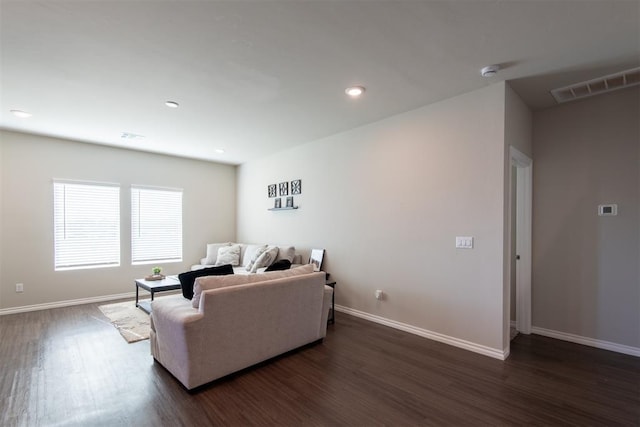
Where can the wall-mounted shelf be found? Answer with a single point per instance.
(283, 209)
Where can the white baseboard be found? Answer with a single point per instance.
(591, 342)
(456, 342)
(68, 303)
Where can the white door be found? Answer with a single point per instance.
(524, 187)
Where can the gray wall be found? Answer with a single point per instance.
(387, 200)
(29, 163)
(518, 125)
(585, 268)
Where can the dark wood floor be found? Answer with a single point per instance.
(70, 367)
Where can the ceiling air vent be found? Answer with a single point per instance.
(597, 86)
(129, 135)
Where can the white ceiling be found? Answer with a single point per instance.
(257, 77)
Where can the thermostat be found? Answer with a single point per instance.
(607, 210)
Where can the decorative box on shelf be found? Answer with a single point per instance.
(277, 203)
(155, 277)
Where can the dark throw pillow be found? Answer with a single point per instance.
(283, 264)
(187, 279)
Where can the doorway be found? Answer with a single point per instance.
(521, 200)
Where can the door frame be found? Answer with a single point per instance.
(524, 205)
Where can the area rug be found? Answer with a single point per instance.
(132, 323)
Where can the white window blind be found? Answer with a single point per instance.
(156, 225)
(86, 225)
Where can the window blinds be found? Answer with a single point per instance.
(86, 225)
(156, 225)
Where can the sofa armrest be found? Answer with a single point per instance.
(174, 310)
(175, 327)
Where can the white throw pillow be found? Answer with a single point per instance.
(251, 254)
(286, 252)
(212, 252)
(265, 259)
(228, 255)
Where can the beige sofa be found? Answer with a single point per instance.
(237, 326)
(247, 254)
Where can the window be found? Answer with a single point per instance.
(156, 225)
(86, 225)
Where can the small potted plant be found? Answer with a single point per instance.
(156, 274)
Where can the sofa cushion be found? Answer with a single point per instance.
(213, 282)
(283, 264)
(286, 252)
(251, 254)
(212, 252)
(228, 255)
(186, 279)
(265, 259)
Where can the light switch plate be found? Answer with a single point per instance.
(464, 242)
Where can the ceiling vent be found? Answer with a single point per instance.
(129, 135)
(597, 86)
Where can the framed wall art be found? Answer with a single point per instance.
(284, 188)
(271, 190)
(296, 186)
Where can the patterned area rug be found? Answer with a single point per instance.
(132, 323)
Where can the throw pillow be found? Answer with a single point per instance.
(265, 259)
(251, 254)
(187, 279)
(286, 252)
(212, 252)
(283, 264)
(228, 255)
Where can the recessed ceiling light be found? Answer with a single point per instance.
(490, 70)
(21, 114)
(354, 91)
(219, 151)
(172, 104)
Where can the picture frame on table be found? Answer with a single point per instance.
(278, 203)
(316, 259)
(290, 201)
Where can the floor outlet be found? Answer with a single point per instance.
(19, 287)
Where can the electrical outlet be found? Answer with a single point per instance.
(19, 287)
(378, 294)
